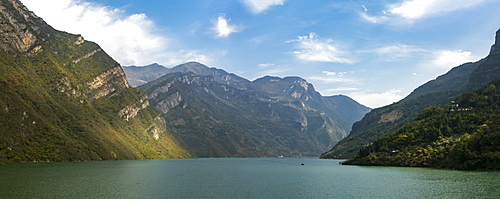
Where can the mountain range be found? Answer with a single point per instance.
(64, 99)
(220, 114)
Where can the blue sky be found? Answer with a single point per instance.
(375, 51)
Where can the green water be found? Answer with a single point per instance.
(239, 178)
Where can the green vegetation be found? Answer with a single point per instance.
(50, 112)
(464, 134)
(372, 127)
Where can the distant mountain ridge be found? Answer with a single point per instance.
(140, 75)
(382, 121)
(261, 84)
(265, 117)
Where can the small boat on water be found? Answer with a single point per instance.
(280, 156)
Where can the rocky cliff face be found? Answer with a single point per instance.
(221, 114)
(22, 28)
(489, 70)
(64, 99)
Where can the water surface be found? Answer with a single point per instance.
(239, 178)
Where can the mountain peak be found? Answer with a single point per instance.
(496, 46)
(294, 78)
(286, 79)
(194, 67)
(155, 65)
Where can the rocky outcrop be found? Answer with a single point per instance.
(169, 102)
(391, 117)
(132, 110)
(161, 89)
(107, 83)
(22, 29)
(87, 55)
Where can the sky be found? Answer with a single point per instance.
(374, 51)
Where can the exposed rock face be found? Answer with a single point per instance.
(170, 102)
(107, 82)
(87, 55)
(132, 110)
(391, 117)
(161, 89)
(23, 28)
(489, 70)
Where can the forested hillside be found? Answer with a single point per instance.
(384, 120)
(464, 134)
(62, 98)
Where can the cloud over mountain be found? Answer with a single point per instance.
(313, 48)
(130, 39)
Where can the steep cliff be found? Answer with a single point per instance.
(64, 99)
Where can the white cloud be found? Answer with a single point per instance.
(373, 19)
(364, 7)
(222, 27)
(258, 6)
(410, 10)
(396, 52)
(441, 59)
(333, 79)
(340, 74)
(275, 71)
(131, 40)
(312, 48)
(416, 9)
(448, 59)
(337, 90)
(375, 100)
(336, 77)
(265, 65)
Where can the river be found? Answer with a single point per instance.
(239, 178)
